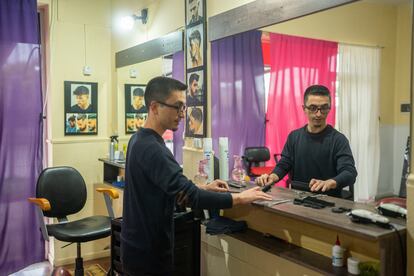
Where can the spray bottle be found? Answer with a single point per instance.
(113, 145)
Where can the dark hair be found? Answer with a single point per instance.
(71, 118)
(195, 35)
(193, 77)
(197, 114)
(138, 92)
(316, 90)
(160, 88)
(81, 117)
(80, 90)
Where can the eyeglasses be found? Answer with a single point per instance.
(181, 108)
(324, 109)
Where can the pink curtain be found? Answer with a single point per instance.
(296, 63)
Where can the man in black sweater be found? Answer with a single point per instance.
(153, 179)
(317, 153)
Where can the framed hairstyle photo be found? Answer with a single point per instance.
(195, 46)
(136, 112)
(81, 108)
(195, 92)
(195, 10)
(195, 126)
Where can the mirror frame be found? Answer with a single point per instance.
(164, 45)
(263, 13)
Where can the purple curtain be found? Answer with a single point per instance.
(178, 74)
(238, 92)
(21, 243)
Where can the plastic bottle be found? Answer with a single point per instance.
(124, 149)
(337, 254)
(238, 173)
(224, 158)
(201, 177)
(209, 156)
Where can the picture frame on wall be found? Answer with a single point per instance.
(195, 10)
(195, 122)
(195, 92)
(196, 68)
(195, 46)
(80, 108)
(136, 112)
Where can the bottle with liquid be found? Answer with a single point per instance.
(124, 149)
(201, 177)
(238, 173)
(338, 254)
(209, 156)
(224, 158)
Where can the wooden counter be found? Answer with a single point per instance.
(316, 229)
(312, 232)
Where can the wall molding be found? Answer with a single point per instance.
(165, 45)
(71, 140)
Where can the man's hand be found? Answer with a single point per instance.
(322, 185)
(265, 179)
(217, 185)
(250, 195)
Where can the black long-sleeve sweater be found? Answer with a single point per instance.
(325, 155)
(153, 179)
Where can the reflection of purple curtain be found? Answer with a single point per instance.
(20, 135)
(238, 93)
(178, 74)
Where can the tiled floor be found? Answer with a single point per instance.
(45, 268)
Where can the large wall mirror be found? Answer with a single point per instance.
(138, 65)
(384, 25)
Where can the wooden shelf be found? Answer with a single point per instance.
(291, 252)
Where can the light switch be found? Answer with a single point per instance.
(87, 70)
(133, 73)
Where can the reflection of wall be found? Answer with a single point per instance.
(145, 71)
(373, 24)
(163, 17)
(363, 24)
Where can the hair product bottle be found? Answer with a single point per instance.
(224, 158)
